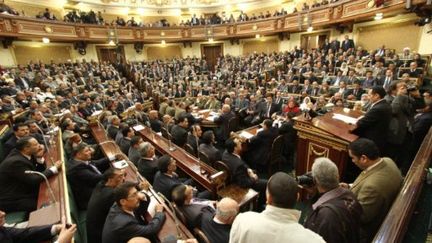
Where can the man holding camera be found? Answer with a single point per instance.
(336, 213)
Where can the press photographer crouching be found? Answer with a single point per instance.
(336, 213)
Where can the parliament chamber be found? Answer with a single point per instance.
(215, 121)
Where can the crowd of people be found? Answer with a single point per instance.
(91, 17)
(267, 89)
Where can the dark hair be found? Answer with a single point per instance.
(18, 125)
(125, 131)
(230, 145)
(181, 119)
(135, 139)
(207, 137)
(378, 90)
(178, 195)
(23, 142)
(109, 173)
(163, 163)
(392, 86)
(122, 191)
(268, 123)
(366, 147)
(283, 190)
(79, 148)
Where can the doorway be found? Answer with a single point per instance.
(211, 52)
(110, 54)
(314, 40)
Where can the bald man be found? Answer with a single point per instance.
(218, 228)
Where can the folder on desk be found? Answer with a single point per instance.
(246, 135)
(44, 216)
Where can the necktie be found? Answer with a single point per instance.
(268, 110)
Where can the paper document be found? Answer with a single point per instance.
(203, 111)
(138, 127)
(246, 135)
(120, 164)
(211, 118)
(96, 113)
(346, 119)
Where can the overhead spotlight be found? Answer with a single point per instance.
(163, 42)
(257, 36)
(378, 16)
(210, 40)
(45, 40)
(111, 43)
(310, 29)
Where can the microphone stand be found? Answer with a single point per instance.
(176, 220)
(202, 171)
(53, 200)
(45, 142)
(171, 148)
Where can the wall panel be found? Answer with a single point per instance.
(24, 54)
(159, 52)
(259, 46)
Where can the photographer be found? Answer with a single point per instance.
(399, 135)
(336, 213)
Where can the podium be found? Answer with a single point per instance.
(324, 136)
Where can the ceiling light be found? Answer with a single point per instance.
(111, 43)
(310, 29)
(140, 11)
(45, 40)
(378, 16)
(210, 40)
(162, 33)
(257, 36)
(163, 42)
(255, 27)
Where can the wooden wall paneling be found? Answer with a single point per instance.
(160, 52)
(24, 54)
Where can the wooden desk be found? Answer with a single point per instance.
(210, 179)
(110, 148)
(57, 182)
(323, 136)
(204, 114)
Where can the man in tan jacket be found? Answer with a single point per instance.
(376, 187)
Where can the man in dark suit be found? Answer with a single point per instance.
(22, 82)
(133, 153)
(84, 174)
(194, 137)
(155, 123)
(113, 128)
(241, 174)
(20, 130)
(222, 132)
(125, 221)
(148, 162)
(266, 109)
(179, 131)
(261, 144)
(207, 147)
(218, 228)
(347, 44)
(34, 234)
(125, 141)
(166, 179)
(100, 203)
(193, 209)
(335, 45)
(18, 190)
(356, 92)
(375, 123)
(295, 88)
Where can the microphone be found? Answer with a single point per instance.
(198, 150)
(171, 148)
(53, 199)
(176, 220)
(45, 142)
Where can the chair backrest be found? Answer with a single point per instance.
(180, 215)
(201, 237)
(221, 166)
(204, 158)
(189, 149)
(277, 145)
(232, 125)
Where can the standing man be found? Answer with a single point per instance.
(375, 123)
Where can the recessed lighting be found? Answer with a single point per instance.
(378, 16)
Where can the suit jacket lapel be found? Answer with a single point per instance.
(366, 174)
